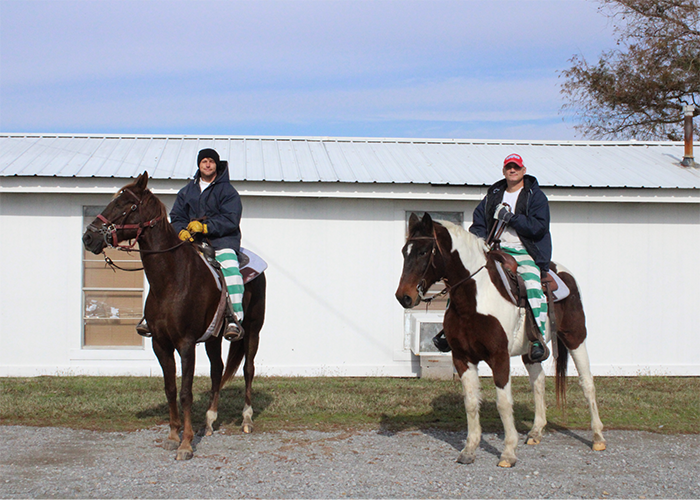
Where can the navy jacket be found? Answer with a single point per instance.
(219, 207)
(530, 219)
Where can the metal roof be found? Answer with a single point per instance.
(349, 160)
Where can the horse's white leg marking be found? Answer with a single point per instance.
(583, 365)
(504, 403)
(211, 418)
(537, 377)
(247, 425)
(472, 399)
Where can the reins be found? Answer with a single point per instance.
(448, 287)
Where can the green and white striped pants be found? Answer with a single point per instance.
(228, 260)
(530, 273)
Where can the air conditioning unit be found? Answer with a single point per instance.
(421, 327)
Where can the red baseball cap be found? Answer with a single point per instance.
(514, 158)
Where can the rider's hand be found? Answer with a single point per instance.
(185, 235)
(503, 213)
(197, 227)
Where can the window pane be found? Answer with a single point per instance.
(112, 333)
(99, 275)
(427, 332)
(113, 305)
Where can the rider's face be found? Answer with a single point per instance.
(513, 173)
(207, 169)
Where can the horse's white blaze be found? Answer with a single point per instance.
(409, 249)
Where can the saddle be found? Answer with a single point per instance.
(250, 265)
(506, 274)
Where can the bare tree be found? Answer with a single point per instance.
(638, 90)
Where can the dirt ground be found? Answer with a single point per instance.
(65, 463)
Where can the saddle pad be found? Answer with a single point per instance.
(254, 267)
(562, 291)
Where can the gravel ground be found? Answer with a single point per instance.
(65, 463)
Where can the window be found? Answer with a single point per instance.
(112, 300)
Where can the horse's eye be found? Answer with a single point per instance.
(422, 253)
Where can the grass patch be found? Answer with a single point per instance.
(659, 404)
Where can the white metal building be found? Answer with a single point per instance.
(329, 216)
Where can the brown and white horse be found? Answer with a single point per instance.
(181, 304)
(481, 325)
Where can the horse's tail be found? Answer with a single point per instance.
(233, 361)
(560, 375)
(253, 319)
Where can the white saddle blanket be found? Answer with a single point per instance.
(255, 266)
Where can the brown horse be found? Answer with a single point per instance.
(181, 304)
(482, 325)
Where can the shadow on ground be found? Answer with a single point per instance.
(231, 402)
(447, 421)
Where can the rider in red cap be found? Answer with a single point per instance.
(523, 208)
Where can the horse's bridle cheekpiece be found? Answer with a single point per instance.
(109, 228)
(420, 288)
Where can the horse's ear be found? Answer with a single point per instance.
(142, 180)
(412, 221)
(427, 221)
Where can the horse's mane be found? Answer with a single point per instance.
(470, 247)
(148, 196)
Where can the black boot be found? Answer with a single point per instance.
(441, 343)
(234, 330)
(142, 328)
(537, 352)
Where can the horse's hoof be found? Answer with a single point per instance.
(466, 458)
(532, 440)
(184, 455)
(599, 446)
(208, 432)
(171, 445)
(247, 428)
(507, 463)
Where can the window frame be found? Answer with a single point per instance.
(131, 340)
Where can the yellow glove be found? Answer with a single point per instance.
(185, 235)
(197, 227)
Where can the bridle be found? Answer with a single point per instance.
(422, 283)
(109, 229)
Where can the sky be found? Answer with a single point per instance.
(464, 69)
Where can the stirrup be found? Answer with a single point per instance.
(234, 330)
(541, 357)
(440, 342)
(143, 329)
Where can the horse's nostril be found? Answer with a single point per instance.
(407, 301)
